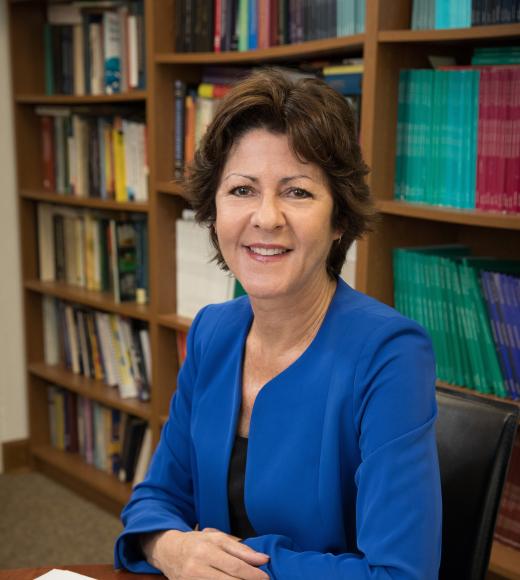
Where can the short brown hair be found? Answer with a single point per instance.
(320, 128)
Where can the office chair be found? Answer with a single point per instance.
(475, 438)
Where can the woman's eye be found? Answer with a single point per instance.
(299, 193)
(241, 191)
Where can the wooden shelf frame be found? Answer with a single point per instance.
(450, 215)
(288, 52)
(98, 300)
(84, 202)
(90, 388)
(387, 45)
(74, 100)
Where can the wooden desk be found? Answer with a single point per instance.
(97, 571)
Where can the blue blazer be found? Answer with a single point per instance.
(342, 477)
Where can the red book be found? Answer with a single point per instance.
(507, 142)
(273, 24)
(49, 176)
(263, 24)
(217, 41)
(500, 145)
(515, 130)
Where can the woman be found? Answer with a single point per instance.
(301, 436)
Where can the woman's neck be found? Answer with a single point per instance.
(290, 323)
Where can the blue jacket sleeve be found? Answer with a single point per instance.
(398, 507)
(164, 500)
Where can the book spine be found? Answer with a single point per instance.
(180, 97)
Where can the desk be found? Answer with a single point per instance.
(97, 571)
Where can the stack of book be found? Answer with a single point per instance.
(101, 346)
(94, 155)
(456, 143)
(95, 48)
(225, 25)
(199, 280)
(106, 438)
(471, 308)
(439, 14)
(94, 251)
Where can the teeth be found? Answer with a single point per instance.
(267, 251)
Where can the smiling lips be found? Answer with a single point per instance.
(267, 252)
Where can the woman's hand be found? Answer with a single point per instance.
(208, 554)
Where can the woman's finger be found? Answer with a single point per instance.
(235, 566)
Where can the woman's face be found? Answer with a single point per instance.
(273, 217)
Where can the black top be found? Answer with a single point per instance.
(240, 524)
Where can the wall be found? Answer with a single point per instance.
(13, 399)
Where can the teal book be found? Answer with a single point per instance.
(401, 138)
(360, 16)
(492, 375)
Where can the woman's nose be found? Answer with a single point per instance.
(268, 215)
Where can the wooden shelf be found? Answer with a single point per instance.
(33, 99)
(473, 34)
(93, 203)
(74, 466)
(171, 187)
(99, 300)
(450, 214)
(311, 48)
(175, 321)
(96, 390)
(466, 390)
(505, 561)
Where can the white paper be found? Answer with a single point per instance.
(63, 575)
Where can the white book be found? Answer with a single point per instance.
(144, 337)
(126, 383)
(46, 249)
(143, 461)
(133, 48)
(51, 331)
(111, 377)
(96, 59)
(348, 272)
(78, 50)
(143, 163)
(199, 280)
(112, 45)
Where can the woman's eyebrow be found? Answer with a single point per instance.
(283, 180)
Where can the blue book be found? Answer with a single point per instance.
(512, 322)
(345, 84)
(253, 25)
(491, 298)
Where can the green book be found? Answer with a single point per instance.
(243, 25)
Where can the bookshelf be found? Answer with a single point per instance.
(386, 46)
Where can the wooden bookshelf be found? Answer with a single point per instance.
(452, 215)
(90, 388)
(91, 203)
(71, 469)
(387, 46)
(99, 300)
(36, 99)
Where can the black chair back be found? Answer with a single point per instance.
(475, 438)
